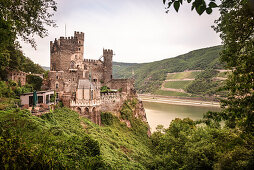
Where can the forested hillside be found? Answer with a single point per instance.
(149, 76)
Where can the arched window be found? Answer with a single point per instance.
(57, 85)
(72, 64)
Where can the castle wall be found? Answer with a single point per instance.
(18, 76)
(112, 101)
(126, 85)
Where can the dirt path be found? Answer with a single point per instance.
(179, 79)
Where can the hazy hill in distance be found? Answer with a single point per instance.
(46, 68)
(149, 76)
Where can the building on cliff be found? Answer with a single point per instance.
(77, 81)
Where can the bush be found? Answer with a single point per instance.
(35, 81)
(107, 118)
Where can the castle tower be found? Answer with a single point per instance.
(67, 53)
(107, 74)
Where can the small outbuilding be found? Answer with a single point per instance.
(44, 97)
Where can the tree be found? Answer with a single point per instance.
(27, 18)
(35, 81)
(236, 28)
(21, 18)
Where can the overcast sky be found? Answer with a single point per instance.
(137, 30)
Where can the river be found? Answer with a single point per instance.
(163, 114)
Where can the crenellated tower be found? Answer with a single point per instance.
(67, 52)
(107, 74)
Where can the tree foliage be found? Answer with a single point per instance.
(27, 18)
(21, 18)
(204, 83)
(35, 81)
(200, 6)
(236, 28)
(186, 145)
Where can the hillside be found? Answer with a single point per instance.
(62, 139)
(150, 76)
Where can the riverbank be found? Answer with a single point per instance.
(177, 101)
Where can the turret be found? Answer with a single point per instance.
(107, 55)
(67, 52)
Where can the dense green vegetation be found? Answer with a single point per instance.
(55, 140)
(149, 76)
(11, 89)
(204, 83)
(34, 81)
(177, 84)
(187, 145)
(63, 140)
(122, 147)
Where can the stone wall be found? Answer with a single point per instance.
(126, 85)
(112, 101)
(18, 76)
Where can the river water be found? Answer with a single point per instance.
(163, 114)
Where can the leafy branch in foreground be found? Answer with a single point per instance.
(28, 18)
(199, 5)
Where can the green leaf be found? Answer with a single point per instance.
(169, 4)
(176, 5)
(209, 10)
(212, 5)
(200, 9)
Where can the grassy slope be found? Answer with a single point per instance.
(59, 140)
(149, 76)
(183, 75)
(177, 84)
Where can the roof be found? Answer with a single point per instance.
(38, 92)
(85, 84)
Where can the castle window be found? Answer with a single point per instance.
(57, 77)
(79, 49)
(79, 42)
(72, 64)
(56, 85)
(73, 79)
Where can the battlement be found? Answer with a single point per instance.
(107, 52)
(79, 35)
(91, 61)
(78, 38)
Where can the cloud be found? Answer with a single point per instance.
(137, 30)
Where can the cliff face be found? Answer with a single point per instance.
(132, 110)
(140, 113)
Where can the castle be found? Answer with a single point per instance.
(77, 81)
